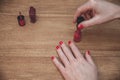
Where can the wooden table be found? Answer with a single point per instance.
(25, 51)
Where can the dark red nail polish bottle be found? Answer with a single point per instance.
(32, 14)
(21, 19)
(78, 33)
(77, 36)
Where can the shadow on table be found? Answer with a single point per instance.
(1, 2)
(117, 77)
(2, 76)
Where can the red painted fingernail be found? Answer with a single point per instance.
(69, 42)
(57, 47)
(60, 42)
(80, 26)
(88, 52)
(52, 57)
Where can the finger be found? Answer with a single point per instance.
(89, 58)
(67, 52)
(86, 18)
(81, 10)
(87, 15)
(93, 21)
(93, 2)
(75, 50)
(58, 64)
(91, 13)
(62, 56)
(78, 13)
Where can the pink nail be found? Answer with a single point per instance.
(57, 47)
(61, 42)
(52, 57)
(69, 42)
(88, 52)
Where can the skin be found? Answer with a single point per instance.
(75, 67)
(97, 12)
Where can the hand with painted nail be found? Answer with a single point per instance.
(74, 67)
(97, 12)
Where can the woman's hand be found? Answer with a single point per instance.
(74, 67)
(97, 12)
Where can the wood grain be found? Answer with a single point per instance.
(25, 51)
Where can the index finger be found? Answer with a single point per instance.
(82, 9)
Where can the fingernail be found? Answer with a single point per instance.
(57, 47)
(88, 52)
(69, 42)
(60, 42)
(80, 26)
(52, 57)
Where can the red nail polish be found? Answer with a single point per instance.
(69, 42)
(77, 36)
(52, 57)
(80, 26)
(21, 19)
(60, 42)
(88, 52)
(57, 47)
(32, 14)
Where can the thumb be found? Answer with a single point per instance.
(93, 21)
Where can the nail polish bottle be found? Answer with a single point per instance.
(77, 36)
(78, 33)
(32, 14)
(21, 19)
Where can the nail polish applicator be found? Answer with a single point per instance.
(78, 33)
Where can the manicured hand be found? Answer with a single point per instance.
(97, 12)
(74, 67)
